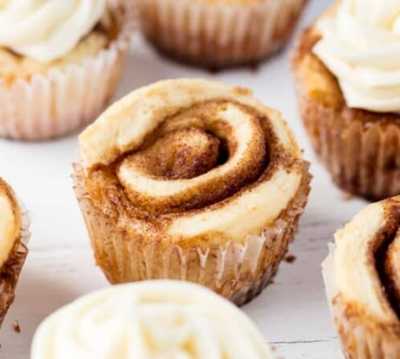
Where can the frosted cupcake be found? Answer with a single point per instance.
(155, 319)
(348, 76)
(192, 180)
(13, 238)
(219, 33)
(60, 62)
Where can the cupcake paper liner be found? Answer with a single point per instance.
(361, 338)
(65, 99)
(218, 35)
(361, 335)
(10, 272)
(238, 271)
(363, 157)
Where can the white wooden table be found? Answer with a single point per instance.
(292, 313)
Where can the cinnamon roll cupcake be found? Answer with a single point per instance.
(362, 277)
(59, 64)
(13, 251)
(192, 180)
(347, 74)
(219, 33)
(154, 319)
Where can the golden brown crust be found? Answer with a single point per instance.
(10, 270)
(191, 41)
(6, 190)
(108, 192)
(238, 271)
(364, 335)
(9, 275)
(153, 212)
(360, 148)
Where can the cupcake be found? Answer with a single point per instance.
(59, 64)
(219, 33)
(362, 276)
(154, 319)
(13, 251)
(191, 180)
(347, 73)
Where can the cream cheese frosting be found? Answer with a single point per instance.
(360, 45)
(46, 30)
(150, 320)
(9, 227)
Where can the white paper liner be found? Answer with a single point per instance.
(360, 152)
(361, 337)
(218, 35)
(328, 274)
(238, 271)
(64, 99)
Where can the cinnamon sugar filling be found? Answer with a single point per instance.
(189, 146)
(387, 255)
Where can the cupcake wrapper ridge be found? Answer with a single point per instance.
(362, 158)
(238, 271)
(66, 99)
(219, 35)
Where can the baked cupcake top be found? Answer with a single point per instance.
(189, 159)
(10, 222)
(362, 269)
(153, 319)
(46, 30)
(360, 44)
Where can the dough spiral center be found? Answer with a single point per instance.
(196, 158)
(190, 159)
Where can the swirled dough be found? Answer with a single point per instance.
(9, 222)
(199, 155)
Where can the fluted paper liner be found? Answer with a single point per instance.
(361, 337)
(10, 271)
(64, 99)
(359, 148)
(219, 35)
(238, 271)
(362, 157)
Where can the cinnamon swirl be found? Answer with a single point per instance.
(362, 278)
(194, 180)
(13, 236)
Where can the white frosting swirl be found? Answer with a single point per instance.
(361, 46)
(45, 30)
(156, 319)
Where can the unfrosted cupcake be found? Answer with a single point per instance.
(348, 76)
(362, 276)
(149, 320)
(219, 33)
(13, 238)
(59, 64)
(191, 180)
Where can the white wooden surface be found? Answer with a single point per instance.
(292, 313)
